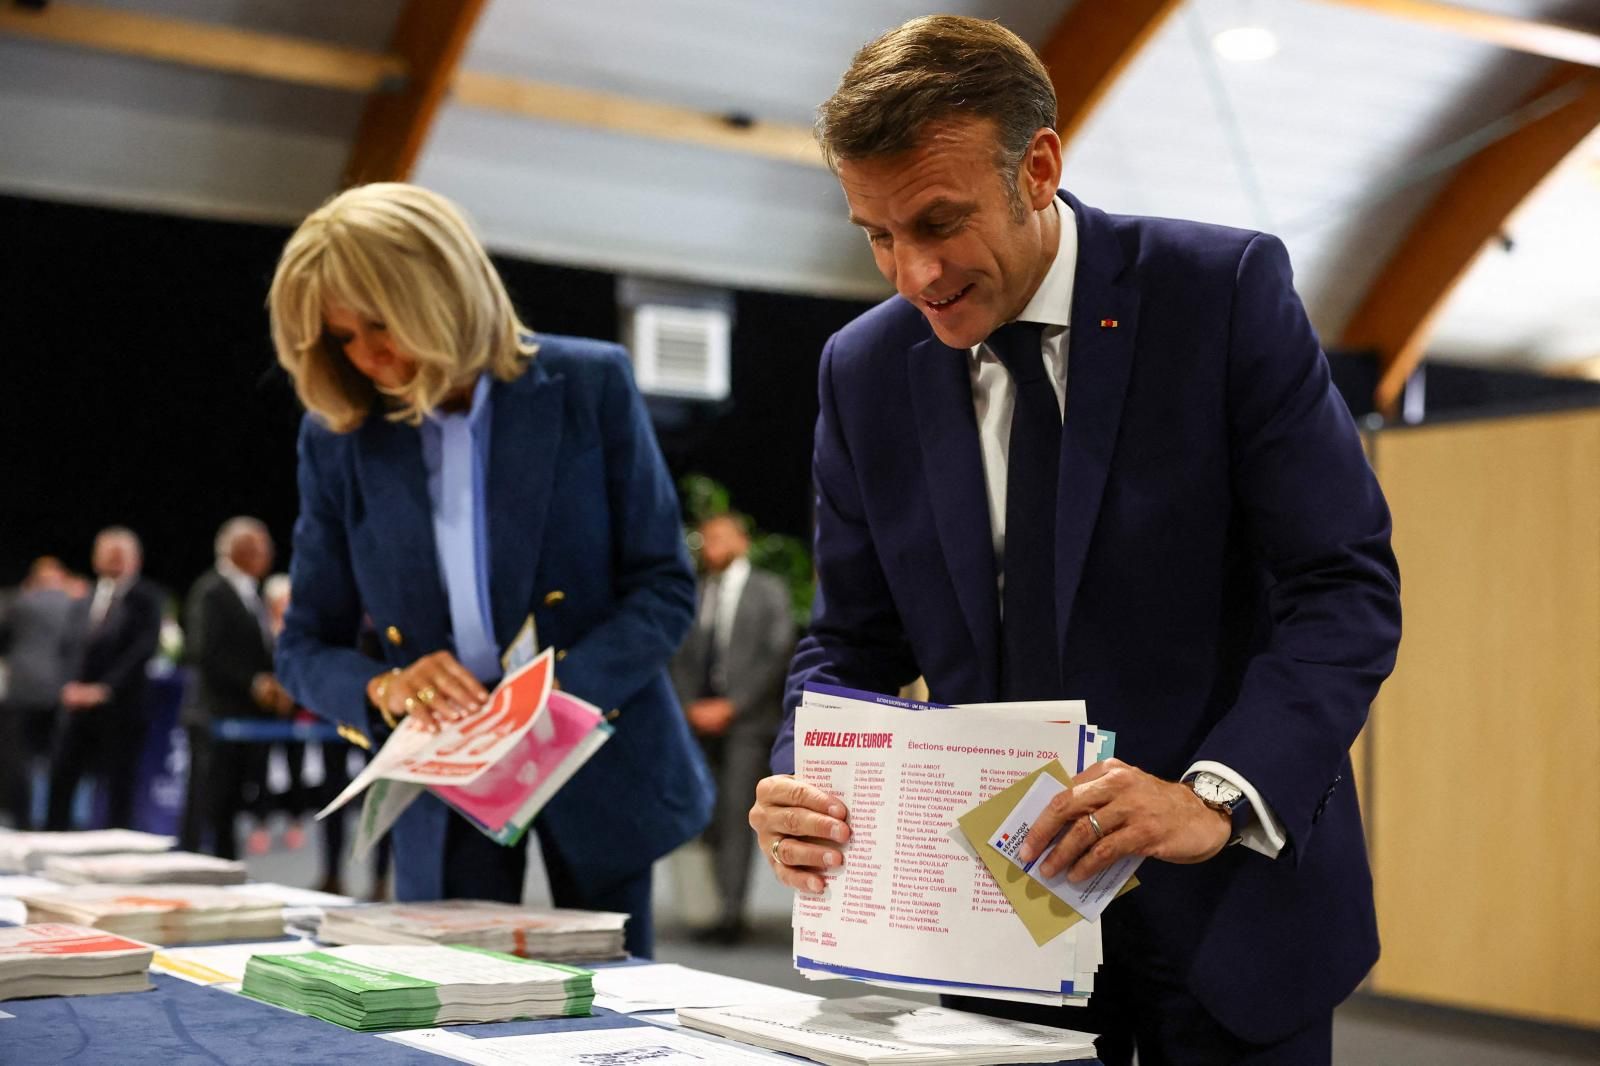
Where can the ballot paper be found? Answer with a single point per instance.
(221, 965)
(58, 959)
(667, 986)
(24, 852)
(914, 906)
(587, 1047)
(1088, 897)
(462, 750)
(881, 1029)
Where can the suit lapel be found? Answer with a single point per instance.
(400, 517)
(524, 452)
(1099, 364)
(941, 394)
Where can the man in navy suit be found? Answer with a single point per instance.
(1092, 456)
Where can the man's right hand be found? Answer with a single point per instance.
(806, 824)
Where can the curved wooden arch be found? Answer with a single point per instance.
(429, 37)
(1090, 48)
(1401, 305)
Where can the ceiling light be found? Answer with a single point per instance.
(1246, 44)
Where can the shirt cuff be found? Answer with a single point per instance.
(1265, 834)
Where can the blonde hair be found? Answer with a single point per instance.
(404, 256)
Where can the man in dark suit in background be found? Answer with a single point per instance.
(1094, 456)
(103, 727)
(729, 677)
(228, 644)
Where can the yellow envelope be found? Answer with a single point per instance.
(1042, 911)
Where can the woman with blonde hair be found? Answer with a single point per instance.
(457, 476)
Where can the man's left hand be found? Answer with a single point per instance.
(710, 717)
(1138, 813)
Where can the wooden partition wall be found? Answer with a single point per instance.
(1480, 766)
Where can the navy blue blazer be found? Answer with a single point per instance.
(584, 534)
(1225, 587)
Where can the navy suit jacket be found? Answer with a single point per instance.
(584, 534)
(1225, 587)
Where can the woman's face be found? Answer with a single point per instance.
(366, 344)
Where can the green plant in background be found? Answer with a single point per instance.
(786, 556)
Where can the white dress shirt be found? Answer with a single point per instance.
(730, 586)
(994, 399)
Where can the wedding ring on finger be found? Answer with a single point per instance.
(777, 842)
(1094, 823)
(426, 695)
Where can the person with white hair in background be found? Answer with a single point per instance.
(103, 724)
(229, 651)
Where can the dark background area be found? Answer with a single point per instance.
(140, 386)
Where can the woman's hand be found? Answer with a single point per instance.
(434, 689)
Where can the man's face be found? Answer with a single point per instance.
(115, 556)
(721, 542)
(252, 553)
(943, 229)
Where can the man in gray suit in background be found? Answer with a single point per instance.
(729, 676)
(35, 632)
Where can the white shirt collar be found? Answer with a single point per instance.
(1052, 303)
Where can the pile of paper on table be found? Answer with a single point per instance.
(162, 914)
(919, 904)
(51, 959)
(880, 1029)
(303, 908)
(23, 852)
(533, 933)
(132, 868)
(375, 987)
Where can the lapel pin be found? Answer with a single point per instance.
(1108, 323)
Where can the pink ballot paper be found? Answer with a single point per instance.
(461, 751)
(505, 799)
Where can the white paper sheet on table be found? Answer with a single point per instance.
(668, 986)
(221, 964)
(587, 1047)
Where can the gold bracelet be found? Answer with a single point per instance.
(380, 693)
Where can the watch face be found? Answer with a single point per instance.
(1214, 789)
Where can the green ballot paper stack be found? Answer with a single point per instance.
(375, 987)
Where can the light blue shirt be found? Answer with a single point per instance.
(455, 452)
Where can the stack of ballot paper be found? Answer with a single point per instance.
(530, 932)
(303, 908)
(498, 767)
(52, 959)
(664, 986)
(134, 868)
(633, 1046)
(161, 914)
(410, 987)
(879, 1029)
(22, 852)
(924, 900)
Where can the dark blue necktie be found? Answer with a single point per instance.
(1029, 652)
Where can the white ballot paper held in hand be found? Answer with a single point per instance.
(462, 750)
(1088, 897)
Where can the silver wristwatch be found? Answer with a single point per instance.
(1220, 794)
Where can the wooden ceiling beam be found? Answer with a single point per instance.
(1549, 39)
(202, 45)
(1396, 316)
(1090, 48)
(429, 37)
(790, 143)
